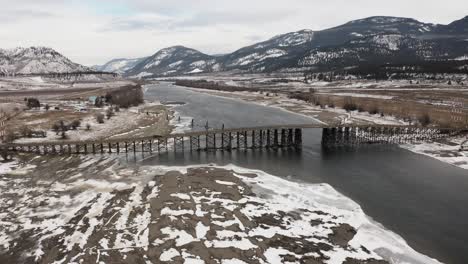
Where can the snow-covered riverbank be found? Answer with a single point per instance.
(448, 152)
(101, 210)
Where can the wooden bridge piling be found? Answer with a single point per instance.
(349, 136)
(241, 139)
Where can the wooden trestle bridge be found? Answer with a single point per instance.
(274, 137)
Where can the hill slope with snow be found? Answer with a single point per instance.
(174, 60)
(119, 65)
(36, 60)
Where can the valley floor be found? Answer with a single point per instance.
(83, 209)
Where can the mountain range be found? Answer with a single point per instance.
(371, 44)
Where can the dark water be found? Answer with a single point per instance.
(422, 199)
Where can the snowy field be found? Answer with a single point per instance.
(132, 121)
(98, 210)
(41, 83)
(26, 83)
(289, 81)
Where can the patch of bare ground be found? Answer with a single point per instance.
(96, 210)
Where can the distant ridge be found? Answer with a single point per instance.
(379, 42)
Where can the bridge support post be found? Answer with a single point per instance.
(283, 138)
(298, 138)
(226, 141)
(346, 138)
(290, 138)
(178, 143)
(210, 141)
(254, 145)
(194, 143)
(275, 138)
(260, 138)
(268, 138)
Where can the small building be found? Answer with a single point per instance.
(92, 99)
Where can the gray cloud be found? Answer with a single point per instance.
(16, 15)
(200, 19)
(209, 18)
(130, 24)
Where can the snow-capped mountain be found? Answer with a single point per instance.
(174, 60)
(285, 51)
(119, 65)
(378, 40)
(370, 26)
(269, 55)
(36, 60)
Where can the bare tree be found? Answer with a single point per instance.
(100, 118)
(63, 135)
(424, 119)
(75, 124)
(6, 156)
(109, 113)
(32, 103)
(26, 131)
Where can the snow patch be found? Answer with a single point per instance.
(169, 254)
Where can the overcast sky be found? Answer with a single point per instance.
(93, 32)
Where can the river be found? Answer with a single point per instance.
(420, 198)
